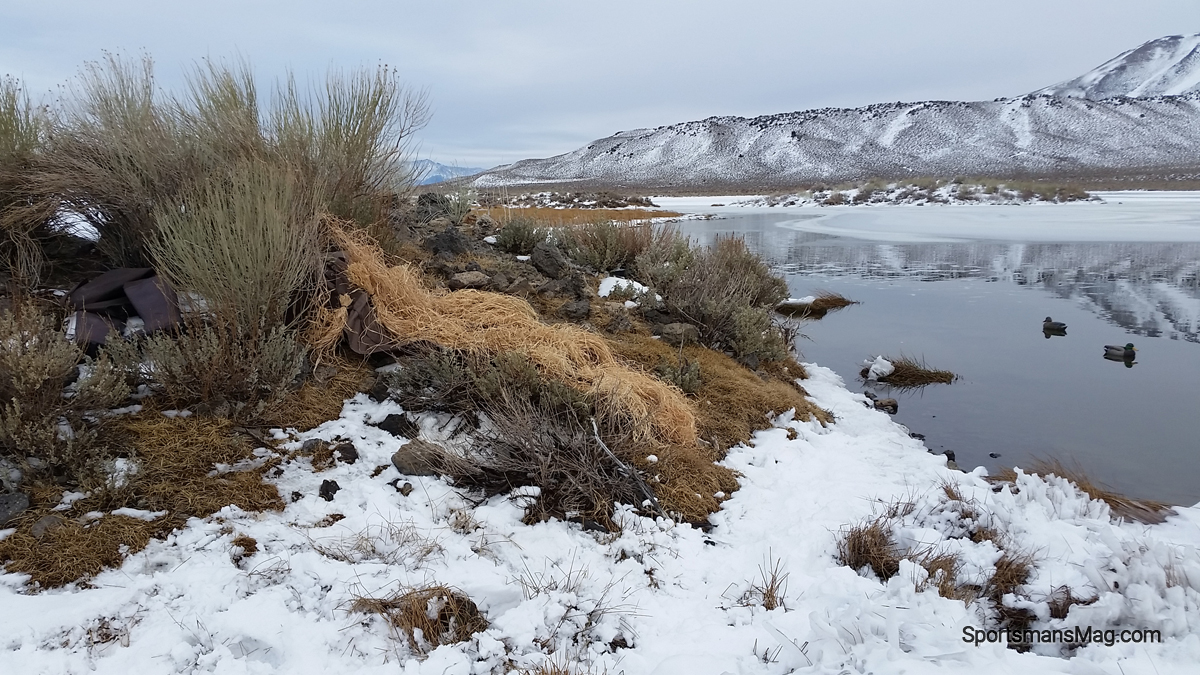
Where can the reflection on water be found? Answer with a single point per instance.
(978, 309)
(1147, 289)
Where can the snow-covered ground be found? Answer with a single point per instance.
(1132, 216)
(681, 600)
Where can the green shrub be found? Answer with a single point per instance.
(725, 290)
(605, 246)
(45, 412)
(233, 373)
(520, 235)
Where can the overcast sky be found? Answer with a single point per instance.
(535, 78)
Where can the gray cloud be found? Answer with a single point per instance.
(532, 78)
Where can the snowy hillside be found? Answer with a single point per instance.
(1075, 127)
(1029, 135)
(1163, 67)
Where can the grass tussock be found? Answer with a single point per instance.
(870, 545)
(1141, 510)
(484, 324)
(427, 617)
(911, 373)
(731, 402)
(172, 465)
(823, 303)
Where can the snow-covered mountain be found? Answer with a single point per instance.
(1037, 134)
(1163, 67)
(431, 172)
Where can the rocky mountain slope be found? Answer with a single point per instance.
(1041, 134)
(1167, 66)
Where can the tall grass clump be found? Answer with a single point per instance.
(247, 246)
(725, 290)
(24, 218)
(247, 242)
(47, 405)
(122, 150)
(116, 152)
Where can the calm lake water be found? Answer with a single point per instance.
(976, 308)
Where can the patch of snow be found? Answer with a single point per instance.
(878, 367)
(139, 514)
(610, 284)
(491, 239)
(69, 499)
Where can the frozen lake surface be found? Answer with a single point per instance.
(966, 288)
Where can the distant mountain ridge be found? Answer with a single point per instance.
(431, 172)
(1168, 66)
(1041, 134)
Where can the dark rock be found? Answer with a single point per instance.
(499, 280)
(346, 452)
(380, 359)
(484, 224)
(47, 524)
(297, 496)
(328, 489)
(469, 280)
(312, 445)
(654, 316)
(12, 506)
(549, 260)
(473, 267)
(575, 310)
(751, 361)
(677, 334)
(520, 287)
(448, 241)
(405, 489)
(399, 426)
(552, 287)
(418, 458)
(379, 391)
(431, 205)
(994, 455)
(888, 405)
(576, 286)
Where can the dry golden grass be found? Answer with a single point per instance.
(481, 323)
(870, 544)
(686, 480)
(556, 217)
(428, 616)
(732, 402)
(911, 373)
(316, 402)
(823, 303)
(1141, 510)
(175, 457)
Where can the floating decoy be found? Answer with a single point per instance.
(1126, 352)
(1052, 326)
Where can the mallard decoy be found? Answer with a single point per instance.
(1052, 326)
(1126, 352)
